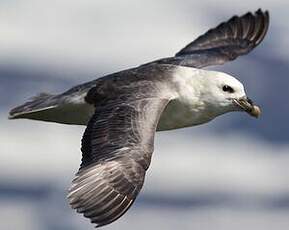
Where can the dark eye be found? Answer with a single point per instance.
(228, 89)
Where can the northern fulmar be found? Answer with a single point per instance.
(123, 110)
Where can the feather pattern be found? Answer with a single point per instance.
(237, 36)
(117, 146)
(122, 111)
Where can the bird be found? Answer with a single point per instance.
(122, 112)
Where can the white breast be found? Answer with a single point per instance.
(187, 109)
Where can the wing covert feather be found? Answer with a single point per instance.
(117, 146)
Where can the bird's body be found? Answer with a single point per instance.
(123, 110)
(182, 85)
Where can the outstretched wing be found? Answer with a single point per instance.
(117, 146)
(237, 36)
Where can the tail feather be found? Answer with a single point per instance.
(41, 102)
(63, 109)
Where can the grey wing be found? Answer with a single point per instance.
(117, 146)
(237, 36)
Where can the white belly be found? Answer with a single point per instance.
(178, 115)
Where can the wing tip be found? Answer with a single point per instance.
(265, 17)
(254, 26)
(102, 193)
(105, 214)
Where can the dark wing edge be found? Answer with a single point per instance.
(237, 36)
(104, 192)
(117, 146)
(245, 32)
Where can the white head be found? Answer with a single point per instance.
(222, 93)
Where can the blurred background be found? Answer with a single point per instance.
(231, 173)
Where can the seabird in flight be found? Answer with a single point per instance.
(123, 110)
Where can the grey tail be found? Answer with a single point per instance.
(33, 107)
